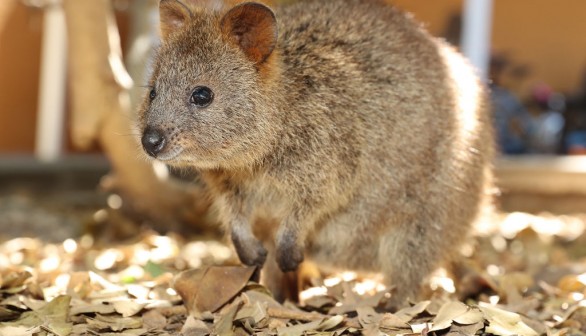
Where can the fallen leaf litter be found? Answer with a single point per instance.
(526, 280)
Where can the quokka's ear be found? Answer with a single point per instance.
(253, 27)
(173, 15)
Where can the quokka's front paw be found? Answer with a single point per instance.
(250, 251)
(289, 255)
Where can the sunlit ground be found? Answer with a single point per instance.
(530, 265)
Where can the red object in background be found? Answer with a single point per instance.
(577, 150)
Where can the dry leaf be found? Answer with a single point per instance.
(501, 322)
(275, 324)
(52, 317)
(80, 328)
(420, 328)
(32, 303)
(19, 331)
(465, 330)
(352, 301)
(319, 325)
(114, 323)
(129, 332)
(252, 313)
(15, 279)
(127, 307)
(320, 302)
(472, 316)
(153, 319)
(513, 284)
(80, 284)
(224, 325)
(8, 314)
(435, 305)
(210, 288)
(392, 321)
(368, 317)
(261, 297)
(58, 328)
(456, 312)
(571, 283)
(84, 308)
(407, 314)
(447, 313)
(195, 327)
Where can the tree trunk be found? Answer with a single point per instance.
(101, 108)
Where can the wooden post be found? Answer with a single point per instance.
(476, 33)
(51, 108)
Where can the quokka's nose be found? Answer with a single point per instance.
(153, 141)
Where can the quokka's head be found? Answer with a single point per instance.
(207, 104)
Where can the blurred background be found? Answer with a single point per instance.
(71, 74)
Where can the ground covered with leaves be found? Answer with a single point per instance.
(524, 275)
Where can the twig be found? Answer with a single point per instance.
(278, 312)
(172, 311)
(282, 313)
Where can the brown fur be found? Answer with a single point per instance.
(360, 141)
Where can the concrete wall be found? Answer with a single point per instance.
(547, 38)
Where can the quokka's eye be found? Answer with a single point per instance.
(201, 96)
(152, 94)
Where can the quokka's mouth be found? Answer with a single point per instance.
(169, 156)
